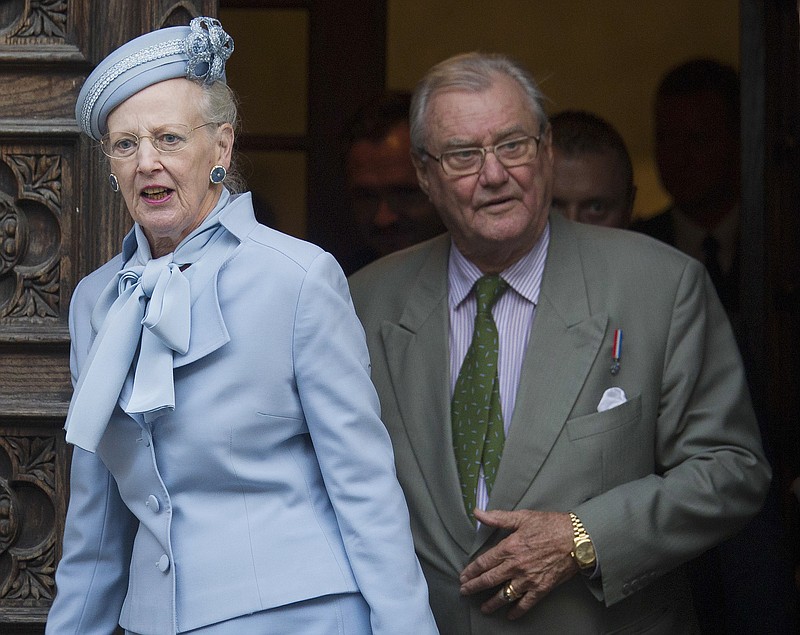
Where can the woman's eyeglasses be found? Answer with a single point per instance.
(172, 137)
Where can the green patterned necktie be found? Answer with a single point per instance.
(477, 418)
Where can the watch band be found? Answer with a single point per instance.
(583, 549)
(578, 530)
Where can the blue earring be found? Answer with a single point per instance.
(218, 174)
(112, 179)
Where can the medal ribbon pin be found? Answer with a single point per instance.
(616, 354)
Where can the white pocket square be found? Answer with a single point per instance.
(612, 398)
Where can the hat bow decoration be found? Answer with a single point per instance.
(208, 47)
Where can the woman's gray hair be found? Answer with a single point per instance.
(220, 105)
(472, 72)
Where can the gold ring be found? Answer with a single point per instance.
(509, 593)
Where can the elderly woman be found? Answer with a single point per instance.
(231, 473)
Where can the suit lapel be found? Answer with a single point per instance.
(564, 343)
(417, 350)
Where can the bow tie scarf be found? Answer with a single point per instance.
(145, 308)
(165, 327)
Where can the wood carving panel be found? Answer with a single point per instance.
(31, 27)
(35, 228)
(42, 19)
(33, 472)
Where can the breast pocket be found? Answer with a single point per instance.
(615, 440)
(601, 422)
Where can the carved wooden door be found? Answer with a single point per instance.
(58, 221)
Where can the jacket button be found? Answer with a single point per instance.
(163, 563)
(153, 504)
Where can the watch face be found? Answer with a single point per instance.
(584, 553)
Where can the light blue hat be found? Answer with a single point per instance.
(198, 51)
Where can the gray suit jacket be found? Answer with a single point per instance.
(657, 480)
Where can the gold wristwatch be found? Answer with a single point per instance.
(582, 547)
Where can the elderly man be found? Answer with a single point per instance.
(592, 170)
(557, 472)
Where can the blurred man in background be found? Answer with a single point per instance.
(697, 153)
(592, 170)
(389, 210)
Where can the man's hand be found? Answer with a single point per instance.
(535, 558)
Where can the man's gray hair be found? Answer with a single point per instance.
(472, 72)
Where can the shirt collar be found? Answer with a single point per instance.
(524, 276)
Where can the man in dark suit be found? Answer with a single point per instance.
(744, 585)
(697, 153)
(557, 478)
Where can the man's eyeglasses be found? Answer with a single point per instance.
(172, 137)
(466, 161)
